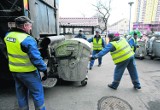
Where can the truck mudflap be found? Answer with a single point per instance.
(49, 82)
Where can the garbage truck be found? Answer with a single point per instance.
(44, 13)
(65, 59)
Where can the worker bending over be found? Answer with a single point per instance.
(123, 57)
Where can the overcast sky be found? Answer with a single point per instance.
(84, 8)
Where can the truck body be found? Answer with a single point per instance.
(44, 13)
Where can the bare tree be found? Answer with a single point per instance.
(103, 14)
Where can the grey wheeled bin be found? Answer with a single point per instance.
(73, 57)
(141, 50)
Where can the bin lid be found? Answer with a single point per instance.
(82, 41)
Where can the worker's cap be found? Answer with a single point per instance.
(97, 31)
(111, 35)
(80, 31)
(22, 20)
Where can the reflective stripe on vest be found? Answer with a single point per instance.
(123, 51)
(97, 45)
(18, 60)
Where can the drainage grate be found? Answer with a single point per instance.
(113, 103)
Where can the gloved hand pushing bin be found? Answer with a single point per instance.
(45, 76)
(93, 57)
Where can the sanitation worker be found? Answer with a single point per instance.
(81, 35)
(123, 57)
(133, 41)
(25, 62)
(98, 44)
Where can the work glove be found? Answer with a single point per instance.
(93, 57)
(45, 76)
(137, 46)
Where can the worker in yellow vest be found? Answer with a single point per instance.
(24, 62)
(133, 41)
(123, 57)
(98, 44)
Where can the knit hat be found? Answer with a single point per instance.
(80, 31)
(116, 34)
(111, 35)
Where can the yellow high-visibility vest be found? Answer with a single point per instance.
(18, 60)
(97, 45)
(123, 51)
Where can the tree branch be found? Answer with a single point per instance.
(104, 14)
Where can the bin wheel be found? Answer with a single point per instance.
(84, 82)
(152, 57)
(141, 58)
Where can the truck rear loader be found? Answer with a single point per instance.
(44, 13)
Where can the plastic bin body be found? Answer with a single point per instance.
(156, 48)
(73, 58)
(153, 47)
(141, 51)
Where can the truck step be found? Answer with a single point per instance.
(49, 82)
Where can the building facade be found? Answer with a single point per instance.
(73, 25)
(147, 16)
(121, 26)
(147, 11)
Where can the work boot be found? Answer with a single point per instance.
(137, 87)
(112, 87)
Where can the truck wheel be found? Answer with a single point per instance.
(84, 82)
